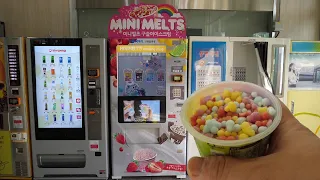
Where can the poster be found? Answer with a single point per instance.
(304, 71)
(208, 63)
(3, 92)
(5, 154)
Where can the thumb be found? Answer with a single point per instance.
(221, 168)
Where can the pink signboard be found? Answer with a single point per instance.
(147, 21)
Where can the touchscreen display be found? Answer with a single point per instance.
(141, 110)
(58, 86)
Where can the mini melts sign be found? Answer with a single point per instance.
(147, 21)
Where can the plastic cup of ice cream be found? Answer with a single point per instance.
(251, 147)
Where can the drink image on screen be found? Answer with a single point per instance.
(45, 95)
(45, 84)
(44, 71)
(60, 60)
(46, 107)
(62, 117)
(61, 95)
(70, 118)
(70, 95)
(43, 59)
(69, 71)
(47, 118)
(54, 106)
(69, 60)
(53, 72)
(62, 106)
(53, 96)
(52, 59)
(54, 118)
(70, 106)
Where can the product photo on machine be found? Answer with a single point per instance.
(68, 98)
(148, 85)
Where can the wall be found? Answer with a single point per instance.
(36, 17)
(300, 19)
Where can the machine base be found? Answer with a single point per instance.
(178, 177)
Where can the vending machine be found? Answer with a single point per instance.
(148, 85)
(261, 61)
(15, 149)
(68, 108)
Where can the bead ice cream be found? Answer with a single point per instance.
(233, 115)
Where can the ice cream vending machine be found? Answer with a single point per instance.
(15, 150)
(148, 85)
(261, 61)
(68, 107)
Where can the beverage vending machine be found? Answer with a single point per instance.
(68, 108)
(261, 61)
(15, 150)
(148, 85)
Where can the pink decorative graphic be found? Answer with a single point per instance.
(147, 21)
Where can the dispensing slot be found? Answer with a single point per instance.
(61, 160)
(142, 135)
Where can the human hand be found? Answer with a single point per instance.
(294, 154)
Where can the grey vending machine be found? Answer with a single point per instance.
(15, 150)
(68, 108)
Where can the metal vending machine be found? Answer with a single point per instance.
(68, 108)
(148, 85)
(261, 61)
(15, 149)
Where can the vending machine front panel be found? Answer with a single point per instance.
(66, 103)
(15, 150)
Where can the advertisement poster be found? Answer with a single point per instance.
(5, 154)
(304, 71)
(208, 64)
(148, 57)
(3, 92)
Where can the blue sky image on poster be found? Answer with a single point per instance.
(208, 63)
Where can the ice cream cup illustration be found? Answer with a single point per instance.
(144, 157)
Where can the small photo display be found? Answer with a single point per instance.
(141, 110)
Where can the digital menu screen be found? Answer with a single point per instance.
(58, 86)
(141, 111)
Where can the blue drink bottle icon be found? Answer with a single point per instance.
(70, 117)
(54, 118)
(60, 60)
(47, 118)
(69, 60)
(62, 118)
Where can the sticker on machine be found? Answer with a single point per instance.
(94, 145)
(19, 137)
(17, 122)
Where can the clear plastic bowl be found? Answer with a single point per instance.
(247, 148)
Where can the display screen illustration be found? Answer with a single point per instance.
(141, 111)
(141, 74)
(58, 86)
